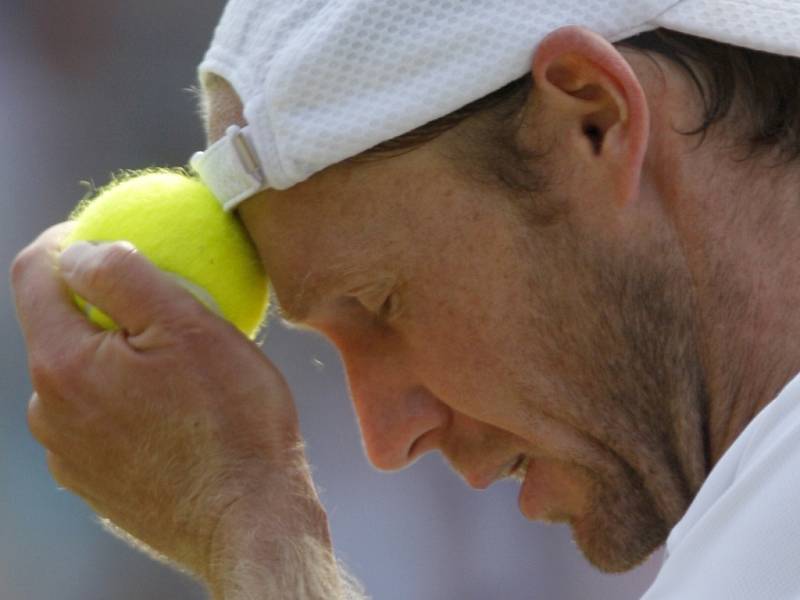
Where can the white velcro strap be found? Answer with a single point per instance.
(230, 168)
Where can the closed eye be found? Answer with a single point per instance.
(390, 308)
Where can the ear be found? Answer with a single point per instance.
(600, 101)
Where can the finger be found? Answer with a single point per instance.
(45, 308)
(125, 285)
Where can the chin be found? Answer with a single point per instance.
(620, 536)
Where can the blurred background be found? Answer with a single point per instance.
(91, 86)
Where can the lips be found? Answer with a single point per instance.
(511, 468)
(538, 499)
(514, 468)
(520, 468)
(551, 492)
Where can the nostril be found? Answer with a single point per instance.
(398, 434)
(423, 444)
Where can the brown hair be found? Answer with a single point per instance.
(766, 87)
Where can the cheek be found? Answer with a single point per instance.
(506, 339)
(467, 345)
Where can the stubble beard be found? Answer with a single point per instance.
(636, 389)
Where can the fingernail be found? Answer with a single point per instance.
(68, 259)
(77, 251)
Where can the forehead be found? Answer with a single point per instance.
(360, 224)
(346, 224)
(354, 223)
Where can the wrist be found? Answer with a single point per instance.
(272, 544)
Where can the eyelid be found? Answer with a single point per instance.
(391, 307)
(380, 298)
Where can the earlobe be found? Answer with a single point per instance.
(585, 78)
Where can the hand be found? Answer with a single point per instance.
(174, 427)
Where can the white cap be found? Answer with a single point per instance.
(324, 80)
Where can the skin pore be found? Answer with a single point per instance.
(619, 349)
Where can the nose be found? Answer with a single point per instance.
(395, 412)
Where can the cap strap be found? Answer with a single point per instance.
(230, 168)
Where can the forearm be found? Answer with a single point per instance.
(301, 567)
(278, 546)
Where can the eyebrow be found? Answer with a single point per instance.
(296, 310)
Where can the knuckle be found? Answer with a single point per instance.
(19, 266)
(33, 252)
(42, 376)
(37, 421)
(187, 321)
(61, 380)
(51, 372)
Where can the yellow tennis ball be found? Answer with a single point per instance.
(175, 221)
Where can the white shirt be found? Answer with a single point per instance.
(740, 538)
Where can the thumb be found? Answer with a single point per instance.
(125, 285)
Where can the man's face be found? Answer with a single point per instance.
(553, 351)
